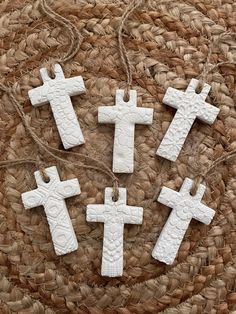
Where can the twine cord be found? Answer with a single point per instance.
(203, 262)
(54, 152)
(20, 162)
(202, 79)
(75, 43)
(207, 68)
(75, 36)
(76, 40)
(17, 162)
(115, 191)
(122, 50)
(200, 177)
(41, 167)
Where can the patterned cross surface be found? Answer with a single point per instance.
(124, 115)
(185, 207)
(190, 106)
(57, 92)
(52, 196)
(114, 215)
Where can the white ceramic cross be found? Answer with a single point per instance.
(51, 196)
(57, 92)
(190, 106)
(114, 215)
(124, 115)
(185, 207)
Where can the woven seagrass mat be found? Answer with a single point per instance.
(167, 45)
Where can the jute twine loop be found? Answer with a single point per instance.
(122, 50)
(55, 153)
(115, 191)
(18, 162)
(199, 178)
(75, 43)
(75, 36)
(207, 68)
(202, 278)
(41, 167)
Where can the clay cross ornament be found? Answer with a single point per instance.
(57, 92)
(190, 106)
(185, 208)
(52, 196)
(124, 115)
(114, 215)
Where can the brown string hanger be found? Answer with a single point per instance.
(122, 50)
(76, 38)
(58, 155)
(202, 78)
(199, 178)
(207, 68)
(55, 153)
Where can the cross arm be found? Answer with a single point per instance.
(96, 213)
(168, 197)
(203, 213)
(39, 95)
(144, 116)
(207, 113)
(133, 215)
(32, 199)
(107, 114)
(69, 188)
(74, 85)
(173, 97)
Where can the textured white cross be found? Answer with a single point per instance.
(190, 106)
(124, 115)
(114, 215)
(185, 207)
(57, 92)
(51, 196)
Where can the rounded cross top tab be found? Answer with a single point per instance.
(132, 97)
(59, 75)
(193, 88)
(44, 75)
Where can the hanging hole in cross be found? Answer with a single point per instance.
(115, 197)
(45, 177)
(51, 73)
(126, 96)
(193, 190)
(198, 89)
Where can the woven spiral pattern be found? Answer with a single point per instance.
(167, 45)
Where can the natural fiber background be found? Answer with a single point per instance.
(167, 45)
